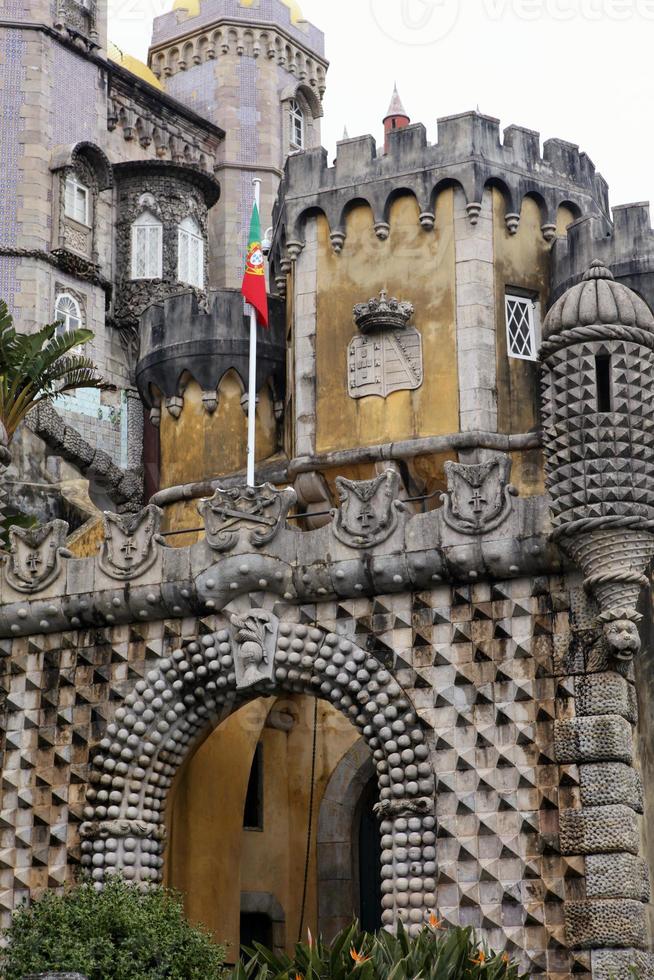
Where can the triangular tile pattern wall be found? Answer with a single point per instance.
(485, 666)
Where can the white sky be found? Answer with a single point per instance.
(580, 70)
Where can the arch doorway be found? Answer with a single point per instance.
(162, 735)
(238, 819)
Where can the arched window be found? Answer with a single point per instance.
(147, 247)
(297, 125)
(67, 313)
(190, 253)
(76, 200)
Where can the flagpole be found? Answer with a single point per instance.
(252, 385)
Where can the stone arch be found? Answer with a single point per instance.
(264, 903)
(253, 654)
(336, 820)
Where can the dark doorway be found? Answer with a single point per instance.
(369, 860)
(256, 927)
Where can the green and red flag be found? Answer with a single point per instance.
(254, 280)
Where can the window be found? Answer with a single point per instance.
(603, 381)
(253, 809)
(67, 313)
(297, 125)
(190, 253)
(76, 204)
(522, 326)
(147, 247)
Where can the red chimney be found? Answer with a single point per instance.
(395, 118)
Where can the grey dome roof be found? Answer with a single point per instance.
(598, 299)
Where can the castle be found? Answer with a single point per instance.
(409, 672)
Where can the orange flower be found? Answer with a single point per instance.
(310, 938)
(434, 922)
(298, 976)
(506, 958)
(359, 958)
(481, 958)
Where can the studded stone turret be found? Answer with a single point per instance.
(599, 369)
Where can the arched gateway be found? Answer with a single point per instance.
(203, 680)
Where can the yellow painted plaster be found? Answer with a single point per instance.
(412, 264)
(199, 446)
(210, 858)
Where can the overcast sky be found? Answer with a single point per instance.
(580, 70)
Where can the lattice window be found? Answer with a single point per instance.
(297, 125)
(68, 314)
(76, 202)
(522, 327)
(190, 253)
(147, 247)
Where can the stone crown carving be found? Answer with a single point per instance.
(261, 511)
(383, 314)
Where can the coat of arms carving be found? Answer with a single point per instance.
(255, 642)
(130, 546)
(369, 510)
(35, 556)
(387, 356)
(479, 495)
(261, 511)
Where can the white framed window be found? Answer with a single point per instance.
(76, 203)
(68, 314)
(297, 124)
(147, 247)
(522, 326)
(190, 253)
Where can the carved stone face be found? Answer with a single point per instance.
(623, 638)
(251, 654)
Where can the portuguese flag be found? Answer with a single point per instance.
(254, 280)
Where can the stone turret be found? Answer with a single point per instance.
(598, 356)
(258, 71)
(396, 117)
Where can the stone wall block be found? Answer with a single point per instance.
(617, 876)
(598, 830)
(593, 739)
(609, 783)
(620, 923)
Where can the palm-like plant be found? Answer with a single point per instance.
(39, 367)
(35, 368)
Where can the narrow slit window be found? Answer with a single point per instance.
(603, 380)
(253, 809)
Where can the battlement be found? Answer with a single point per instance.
(625, 245)
(179, 340)
(470, 152)
(202, 14)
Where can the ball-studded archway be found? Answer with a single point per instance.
(191, 691)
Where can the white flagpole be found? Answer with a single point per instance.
(252, 385)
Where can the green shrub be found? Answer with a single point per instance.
(436, 954)
(115, 934)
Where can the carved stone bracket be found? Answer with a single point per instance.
(35, 553)
(369, 511)
(479, 495)
(131, 543)
(261, 511)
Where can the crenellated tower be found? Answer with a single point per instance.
(257, 69)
